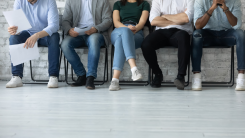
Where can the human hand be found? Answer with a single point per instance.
(12, 30)
(31, 41)
(132, 28)
(216, 2)
(223, 6)
(91, 31)
(73, 33)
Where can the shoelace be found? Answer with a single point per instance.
(137, 72)
(52, 79)
(241, 82)
(114, 83)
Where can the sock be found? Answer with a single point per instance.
(197, 75)
(241, 76)
(114, 79)
(134, 69)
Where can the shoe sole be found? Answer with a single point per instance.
(197, 89)
(114, 89)
(179, 85)
(138, 79)
(52, 86)
(21, 85)
(240, 89)
(90, 88)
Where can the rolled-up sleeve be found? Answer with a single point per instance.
(155, 10)
(236, 11)
(16, 4)
(190, 10)
(53, 18)
(198, 10)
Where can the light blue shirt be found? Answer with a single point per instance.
(43, 15)
(218, 20)
(86, 14)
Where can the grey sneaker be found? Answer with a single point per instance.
(114, 86)
(137, 75)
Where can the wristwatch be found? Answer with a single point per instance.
(226, 10)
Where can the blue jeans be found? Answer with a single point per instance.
(125, 43)
(93, 42)
(52, 42)
(204, 38)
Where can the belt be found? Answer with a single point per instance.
(129, 22)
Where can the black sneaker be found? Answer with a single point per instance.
(81, 81)
(180, 82)
(157, 82)
(90, 83)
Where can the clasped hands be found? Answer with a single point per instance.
(216, 2)
(30, 42)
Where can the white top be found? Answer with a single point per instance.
(161, 7)
(86, 14)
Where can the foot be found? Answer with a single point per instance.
(90, 83)
(197, 82)
(157, 81)
(240, 82)
(14, 82)
(81, 81)
(114, 86)
(136, 75)
(53, 82)
(180, 82)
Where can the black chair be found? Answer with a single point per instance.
(232, 74)
(45, 81)
(130, 83)
(105, 77)
(168, 84)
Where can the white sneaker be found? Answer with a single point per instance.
(136, 75)
(14, 82)
(197, 82)
(240, 82)
(53, 82)
(114, 86)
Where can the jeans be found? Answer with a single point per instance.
(205, 38)
(93, 42)
(52, 42)
(167, 37)
(125, 43)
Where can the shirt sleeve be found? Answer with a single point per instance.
(146, 6)
(198, 10)
(116, 6)
(16, 4)
(53, 18)
(236, 11)
(155, 10)
(190, 10)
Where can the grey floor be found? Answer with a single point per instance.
(34, 111)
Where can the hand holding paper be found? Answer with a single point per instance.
(20, 55)
(17, 18)
(82, 31)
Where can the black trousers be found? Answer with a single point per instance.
(167, 37)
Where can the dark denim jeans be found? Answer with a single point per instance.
(93, 42)
(204, 38)
(52, 42)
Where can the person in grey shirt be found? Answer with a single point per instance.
(218, 23)
(82, 14)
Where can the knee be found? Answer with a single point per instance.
(146, 44)
(197, 33)
(55, 38)
(239, 34)
(65, 45)
(126, 31)
(94, 41)
(14, 39)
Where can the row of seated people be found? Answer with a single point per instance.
(218, 22)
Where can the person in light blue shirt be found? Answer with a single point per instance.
(218, 23)
(44, 19)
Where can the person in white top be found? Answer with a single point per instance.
(173, 21)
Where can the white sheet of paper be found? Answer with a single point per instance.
(17, 18)
(82, 31)
(19, 54)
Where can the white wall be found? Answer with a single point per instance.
(215, 62)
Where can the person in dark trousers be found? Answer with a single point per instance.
(218, 23)
(173, 21)
(83, 14)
